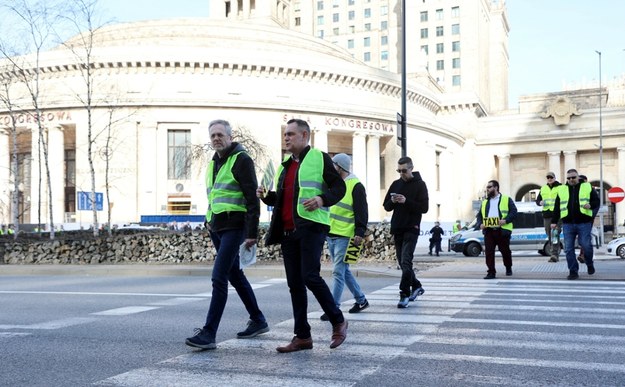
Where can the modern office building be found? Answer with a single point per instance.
(463, 45)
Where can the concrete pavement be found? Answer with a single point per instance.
(448, 265)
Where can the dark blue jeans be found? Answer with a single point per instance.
(583, 232)
(226, 268)
(302, 264)
(405, 243)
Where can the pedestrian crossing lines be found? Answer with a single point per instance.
(460, 332)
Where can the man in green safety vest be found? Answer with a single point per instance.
(495, 218)
(547, 198)
(232, 218)
(348, 222)
(576, 205)
(307, 186)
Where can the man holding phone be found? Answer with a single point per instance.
(408, 198)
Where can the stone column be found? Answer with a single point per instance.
(373, 178)
(5, 174)
(33, 203)
(56, 160)
(504, 174)
(620, 207)
(570, 162)
(246, 9)
(554, 164)
(359, 157)
(320, 141)
(149, 162)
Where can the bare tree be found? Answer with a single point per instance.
(202, 153)
(81, 15)
(37, 19)
(6, 81)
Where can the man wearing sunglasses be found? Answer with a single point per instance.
(495, 219)
(547, 198)
(408, 198)
(576, 204)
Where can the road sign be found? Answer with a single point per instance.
(85, 203)
(616, 194)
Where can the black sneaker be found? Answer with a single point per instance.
(324, 317)
(359, 307)
(508, 272)
(591, 269)
(416, 293)
(202, 339)
(490, 276)
(403, 302)
(572, 275)
(253, 329)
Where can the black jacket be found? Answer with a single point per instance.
(407, 216)
(437, 233)
(244, 173)
(575, 215)
(334, 192)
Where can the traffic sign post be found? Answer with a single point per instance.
(616, 194)
(86, 204)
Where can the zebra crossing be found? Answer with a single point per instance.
(460, 332)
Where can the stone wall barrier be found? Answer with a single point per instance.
(153, 246)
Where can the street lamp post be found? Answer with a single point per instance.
(600, 154)
(404, 141)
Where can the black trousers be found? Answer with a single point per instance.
(497, 237)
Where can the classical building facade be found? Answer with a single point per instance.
(157, 84)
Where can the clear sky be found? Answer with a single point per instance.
(551, 43)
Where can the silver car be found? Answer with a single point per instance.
(617, 246)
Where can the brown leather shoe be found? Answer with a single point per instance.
(296, 344)
(339, 333)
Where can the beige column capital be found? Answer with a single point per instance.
(554, 153)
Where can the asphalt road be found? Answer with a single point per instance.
(125, 329)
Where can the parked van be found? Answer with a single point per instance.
(528, 234)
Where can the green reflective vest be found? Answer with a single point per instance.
(584, 198)
(224, 194)
(310, 178)
(503, 209)
(549, 197)
(342, 221)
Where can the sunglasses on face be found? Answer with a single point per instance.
(403, 170)
(549, 177)
(571, 177)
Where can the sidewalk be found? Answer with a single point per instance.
(448, 265)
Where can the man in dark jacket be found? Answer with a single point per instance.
(232, 219)
(307, 186)
(408, 198)
(436, 237)
(576, 205)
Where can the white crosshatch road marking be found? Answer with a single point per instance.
(451, 324)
